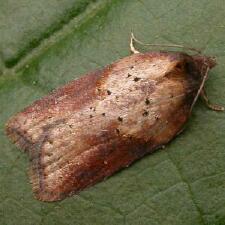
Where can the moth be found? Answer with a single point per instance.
(90, 128)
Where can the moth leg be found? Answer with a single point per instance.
(208, 104)
(132, 48)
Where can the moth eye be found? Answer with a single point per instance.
(180, 66)
(188, 67)
(184, 66)
(192, 70)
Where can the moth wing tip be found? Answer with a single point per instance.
(43, 194)
(12, 131)
(42, 190)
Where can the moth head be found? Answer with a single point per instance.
(203, 65)
(194, 69)
(197, 66)
(203, 62)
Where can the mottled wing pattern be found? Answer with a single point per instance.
(93, 126)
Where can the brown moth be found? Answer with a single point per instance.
(94, 126)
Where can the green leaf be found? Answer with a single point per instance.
(45, 44)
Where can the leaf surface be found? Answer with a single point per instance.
(45, 44)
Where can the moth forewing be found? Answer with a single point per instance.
(90, 128)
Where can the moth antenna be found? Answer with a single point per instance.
(207, 102)
(132, 48)
(133, 38)
(202, 93)
(200, 88)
